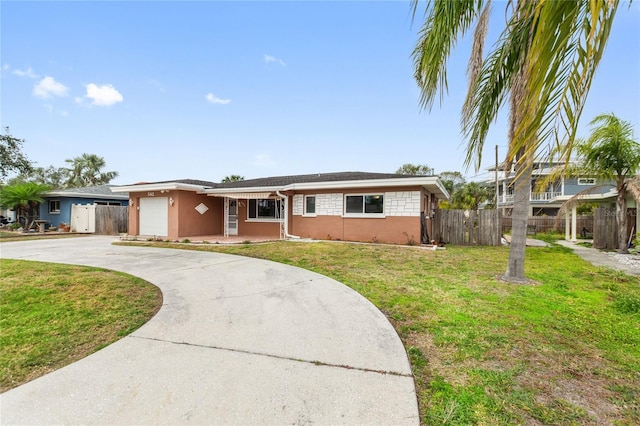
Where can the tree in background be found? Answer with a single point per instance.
(12, 159)
(470, 195)
(543, 62)
(85, 170)
(232, 178)
(24, 199)
(610, 154)
(51, 176)
(452, 181)
(415, 170)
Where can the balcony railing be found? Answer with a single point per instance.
(543, 196)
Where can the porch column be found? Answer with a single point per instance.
(226, 217)
(574, 223)
(567, 231)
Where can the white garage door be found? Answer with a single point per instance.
(154, 216)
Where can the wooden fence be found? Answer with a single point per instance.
(112, 220)
(584, 224)
(462, 227)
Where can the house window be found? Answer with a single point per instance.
(586, 181)
(54, 206)
(364, 204)
(107, 203)
(267, 209)
(310, 205)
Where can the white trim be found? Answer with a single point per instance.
(592, 181)
(244, 195)
(222, 192)
(277, 200)
(304, 206)
(424, 181)
(144, 187)
(363, 214)
(53, 211)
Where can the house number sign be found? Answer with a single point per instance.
(151, 194)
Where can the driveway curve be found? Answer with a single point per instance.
(237, 341)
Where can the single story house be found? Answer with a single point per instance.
(56, 208)
(350, 206)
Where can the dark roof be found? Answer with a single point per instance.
(311, 178)
(87, 190)
(185, 181)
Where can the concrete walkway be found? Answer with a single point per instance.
(629, 264)
(237, 341)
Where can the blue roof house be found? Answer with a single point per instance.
(56, 208)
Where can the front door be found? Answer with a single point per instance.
(232, 218)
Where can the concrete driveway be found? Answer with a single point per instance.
(237, 341)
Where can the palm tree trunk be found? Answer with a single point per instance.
(621, 220)
(519, 220)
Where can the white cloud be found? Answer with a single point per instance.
(104, 95)
(262, 160)
(48, 87)
(26, 73)
(216, 100)
(269, 59)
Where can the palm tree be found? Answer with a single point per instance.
(543, 62)
(232, 178)
(24, 199)
(85, 171)
(610, 154)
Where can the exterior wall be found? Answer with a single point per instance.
(400, 224)
(188, 222)
(65, 208)
(184, 219)
(571, 186)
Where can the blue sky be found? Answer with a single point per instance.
(202, 90)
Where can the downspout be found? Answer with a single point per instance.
(286, 215)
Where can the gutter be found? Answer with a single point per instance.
(286, 215)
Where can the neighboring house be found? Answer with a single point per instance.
(351, 206)
(548, 202)
(56, 207)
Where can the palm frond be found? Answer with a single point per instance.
(633, 187)
(569, 40)
(493, 84)
(446, 22)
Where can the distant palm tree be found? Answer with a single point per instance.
(232, 178)
(85, 171)
(24, 199)
(610, 154)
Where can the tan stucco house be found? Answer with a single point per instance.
(349, 206)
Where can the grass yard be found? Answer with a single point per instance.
(6, 236)
(563, 351)
(52, 315)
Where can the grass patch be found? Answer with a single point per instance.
(8, 236)
(564, 351)
(52, 315)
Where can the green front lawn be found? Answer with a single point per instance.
(52, 315)
(563, 351)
